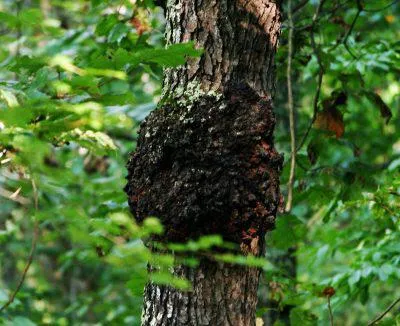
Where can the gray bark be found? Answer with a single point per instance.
(222, 295)
(239, 38)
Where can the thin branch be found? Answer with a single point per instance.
(360, 9)
(31, 254)
(320, 74)
(299, 7)
(353, 23)
(17, 198)
(383, 314)
(291, 111)
(330, 311)
(383, 8)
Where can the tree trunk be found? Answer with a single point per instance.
(205, 161)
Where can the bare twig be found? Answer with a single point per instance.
(31, 254)
(383, 8)
(383, 314)
(353, 23)
(17, 198)
(320, 74)
(299, 6)
(291, 111)
(330, 311)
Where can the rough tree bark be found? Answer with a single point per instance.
(205, 161)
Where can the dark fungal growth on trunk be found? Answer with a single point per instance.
(205, 161)
(209, 168)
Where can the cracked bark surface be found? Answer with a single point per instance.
(239, 38)
(205, 162)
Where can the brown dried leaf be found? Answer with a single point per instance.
(330, 119)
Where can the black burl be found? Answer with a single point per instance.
(208, 168)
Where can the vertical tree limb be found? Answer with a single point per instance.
(321, 72)
(291, 111)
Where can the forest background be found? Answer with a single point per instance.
(77, 78)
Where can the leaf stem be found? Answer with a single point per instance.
(330, 311)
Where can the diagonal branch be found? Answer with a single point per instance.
(299, 6)
(383, 8)
(321, 72)
(359, 10)
(31, 254)
(383, 314)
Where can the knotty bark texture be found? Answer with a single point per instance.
(205, 162)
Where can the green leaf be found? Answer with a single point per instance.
(167, 279)
(172, 56)
(106, 24)
(152, 225)
(98, 142)
(8, 19)
(31, 17)
(204, 243)
(249, 260)
(289, 230)
(8, 97)
(354, 278)
(300, 317)
(31, 151)
(20, 321)
(364, 295)
(118, 32)
(16, 116)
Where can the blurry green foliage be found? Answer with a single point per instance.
(344, 229)
(76, 79)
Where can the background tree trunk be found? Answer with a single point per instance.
(205, 161)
